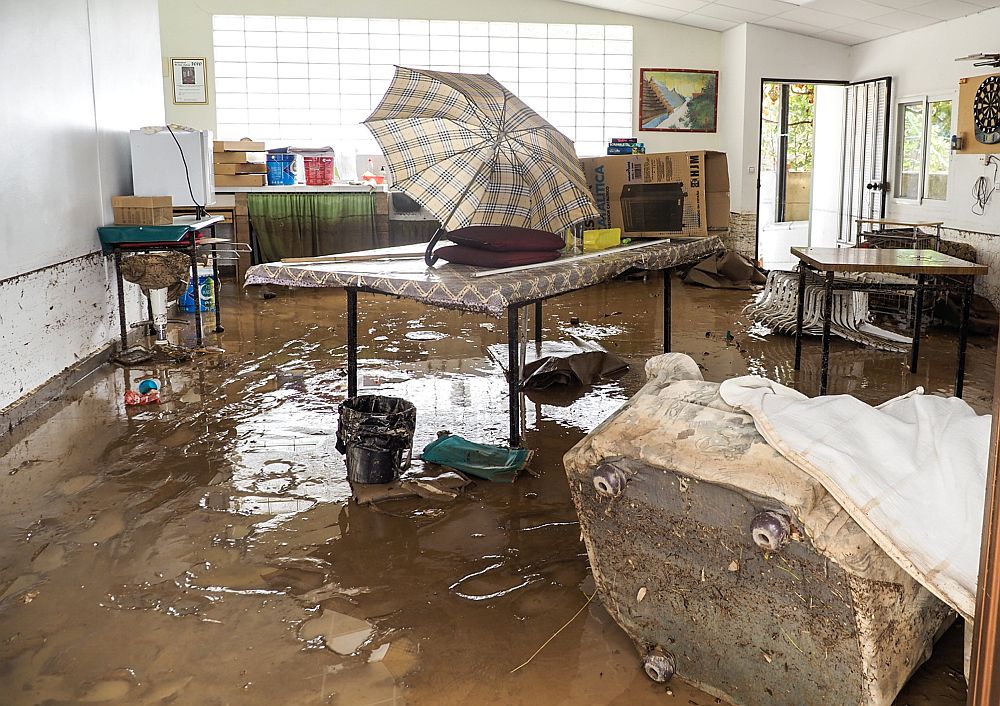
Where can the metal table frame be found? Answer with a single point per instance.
(942, 283)
(189, 244)
(513, 344)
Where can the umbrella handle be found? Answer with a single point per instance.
(429, 257)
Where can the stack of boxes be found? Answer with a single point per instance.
(239, 163)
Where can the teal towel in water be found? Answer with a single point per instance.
(495, 463)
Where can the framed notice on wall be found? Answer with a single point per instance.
(678, 100)
(188, 78)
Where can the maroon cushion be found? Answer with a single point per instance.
(506, 238)
(462, 255)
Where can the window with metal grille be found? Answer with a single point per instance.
(312, 80)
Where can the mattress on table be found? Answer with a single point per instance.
(827, 618)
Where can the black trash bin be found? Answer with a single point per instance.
(376, 433)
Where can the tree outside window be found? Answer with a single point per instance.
(788, 113)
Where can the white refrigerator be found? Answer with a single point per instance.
(158, 170)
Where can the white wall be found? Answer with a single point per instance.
(922, 62)
(733, 106)
(186, 31)
(80, 73)
(773, 53)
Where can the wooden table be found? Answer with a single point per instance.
(918, 263)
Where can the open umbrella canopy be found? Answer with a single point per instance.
(473, 153)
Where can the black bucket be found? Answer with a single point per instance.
(376, 433)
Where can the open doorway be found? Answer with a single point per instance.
(801, 168)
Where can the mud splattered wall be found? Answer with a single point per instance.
(80, 74)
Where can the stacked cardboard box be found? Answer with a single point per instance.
(239, 163)
(143, 210)
(661, 195)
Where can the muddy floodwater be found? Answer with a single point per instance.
(205, 550)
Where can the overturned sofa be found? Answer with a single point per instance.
(730, 566)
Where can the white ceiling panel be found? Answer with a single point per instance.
(900, 4)
(791, 26)
(705, 22)
(855, 9)
(685, 5)
(867, 31)
(841, 37)
(816, 18)
(734, 14)
(946, 9)
(843, 21)
(903, 20)
(765, 7)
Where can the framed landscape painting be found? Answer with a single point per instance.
(678, 100)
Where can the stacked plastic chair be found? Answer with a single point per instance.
(776, 306)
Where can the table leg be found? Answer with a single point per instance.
(352, 342)
(196, 289)
(918, 316)
(121, 298)
(217, 286)
(150, 329)
(538, 321)
(963, 334)
(799, 313)
(666, 310)
(824, 380)
(513, 376)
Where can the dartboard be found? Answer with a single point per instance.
(986, 111)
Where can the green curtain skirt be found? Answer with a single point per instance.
(307, 225)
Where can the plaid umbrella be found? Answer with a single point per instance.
(473, 153)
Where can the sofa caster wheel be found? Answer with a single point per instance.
(771, 530)
(609, 480)
(659, 665)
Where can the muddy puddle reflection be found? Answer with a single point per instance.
(204, 551)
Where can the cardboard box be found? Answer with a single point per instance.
(240, 179)
(657, 195)
(237, 157)
(241, 168)
(237, 146)
(143, 210)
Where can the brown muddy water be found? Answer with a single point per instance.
(204, 551)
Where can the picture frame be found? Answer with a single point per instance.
(678, 100)
(189, 79)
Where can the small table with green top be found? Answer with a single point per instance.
(184, 235)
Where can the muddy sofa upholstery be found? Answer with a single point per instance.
(728, 565)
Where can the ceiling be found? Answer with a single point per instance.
(844, 21)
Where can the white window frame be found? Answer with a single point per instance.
(578, 76)
(925, 101)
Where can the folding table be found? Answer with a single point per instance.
(456, 287)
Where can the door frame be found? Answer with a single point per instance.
(760, 133)
(886, 127)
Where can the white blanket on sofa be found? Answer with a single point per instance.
(911, 472)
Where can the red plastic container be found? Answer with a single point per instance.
(319, 170)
